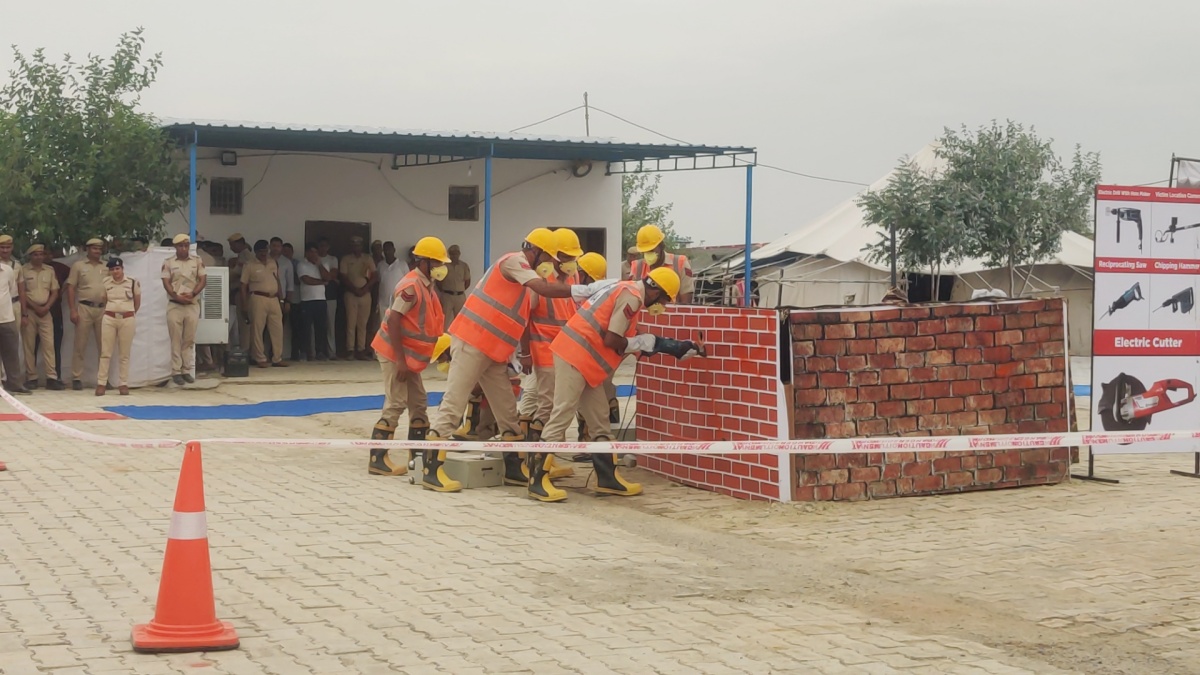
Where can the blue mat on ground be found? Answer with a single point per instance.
(301, 407)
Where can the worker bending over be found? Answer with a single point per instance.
(652, 243)
(586, 353)
(405, 345)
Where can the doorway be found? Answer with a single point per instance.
(338, 233)
(592, 239)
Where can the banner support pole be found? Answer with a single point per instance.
(1091, 472)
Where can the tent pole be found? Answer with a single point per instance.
(749, 219)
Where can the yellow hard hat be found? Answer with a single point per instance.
(666, 279)
(443, 343)
(649, 237)
(594, 264)
(567, 242)
(432, 248)
(544, 239)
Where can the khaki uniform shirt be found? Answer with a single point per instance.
(120, 294)
(627, 306)
(238, 262)
(206, 258)
(517, 270)
(183, 275)
(262, 277)
(16, 268)
(88, 280)
(356, 269)
(39, 283)
(8, 284)
(457, 274)
(400, 304)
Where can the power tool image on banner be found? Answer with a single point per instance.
(1168, 234)
(1127, 298)
(1181, 302)
(1127, 405)
(1128, 215)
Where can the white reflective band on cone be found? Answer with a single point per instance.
(188, 526)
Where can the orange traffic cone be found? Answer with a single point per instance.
(185, 617)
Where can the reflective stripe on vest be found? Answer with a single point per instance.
(420, 326)
(638, 271)
(494, 315)
(546, 319)
(581, 341)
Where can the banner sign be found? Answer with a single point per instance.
(1146, 333)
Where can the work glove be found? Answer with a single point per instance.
(640, 343)
(680, 349)
(581, 292)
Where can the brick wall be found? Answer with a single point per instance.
(734, 394)
(946, 369)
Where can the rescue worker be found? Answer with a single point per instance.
(483, 339)
(85, 300)
(586, 352)
(593, 270)
(261, 292)
(358, 276)
(404, 346)
(184, 278)
(41, 292)
(122, 300)
(651, 242)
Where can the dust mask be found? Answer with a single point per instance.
(443, 366)
(651, 257)
(569, 268)
(546, 270)
(656, 309)
(439, 273)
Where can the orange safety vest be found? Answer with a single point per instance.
(494, 315)
(581, 341)
(421, 325)
(545, 321)
(638, 268)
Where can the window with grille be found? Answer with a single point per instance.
(464, 202)
(225, 196)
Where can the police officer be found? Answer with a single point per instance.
(41, 293)
(357, 272)
(262, 293)
(454, 287)
(85, 299)
(122, 300)
(184, 278)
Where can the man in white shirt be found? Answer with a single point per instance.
(313, 276)
(391, 270)
(332, 291)
(10, 335)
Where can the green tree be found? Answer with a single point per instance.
(638, 194)
(1015, 196)
(76, 157)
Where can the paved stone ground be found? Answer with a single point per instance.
(323, 568)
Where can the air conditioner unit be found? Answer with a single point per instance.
(214, 308)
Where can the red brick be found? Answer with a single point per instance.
(988, 475)
(831, 414)
(1026, 351)
(805, 348)
(1010, 369)
(1009, 337)
(834, 380)
(939, 357)
(1006, 428)
(882, 489)
(928, 484)
(892, 471)
(919, 344)
(809, 397)
(921, 407)
(875, 330)
(980, 339)
(989, 323)
(1038, 395)
(885, 315)
(990, 417)
(841, 430)
(948, 405)
(947, 464)
(968, 355)
(1031, 427)
(858, 411)
(922, 374)
(980, 371)
(900, 425)
(851, 362)
(819, 462)
(800, 380)
(910, 360)
(893, 376)
(1020, 472)
(950, 309)
(950, 340)
(964, 387)
(997, 354)
(872, 428)
(866, 474)
(860, 378)
(906, 391)
(960, 479)
(830, 347)
(889, 408)
(959, 420)
(856, 317)
(931, 327)
(931, 422)
(852, 460)
(904, 486)
(1050, 410)
(823, 493)
(834, 476)
(807, 331)
(1022, 382)
(961, 324)
(914, 469)
(850, 491)
(840, 396)
(1035, 456)
(861, 346)
(1049, 318)
(979, 402)
(914, 313)
(839, 331)
(1019, 321)
(879, 393)
(1037, 365)
(948, 373)
(1040, 335)
(902, 328)
(819, 364)
(1050, 379)
(881, 361)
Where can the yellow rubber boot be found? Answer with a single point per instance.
(470, 424)
(540, 486)
(608, 481)
(433, 474)
(380, 463)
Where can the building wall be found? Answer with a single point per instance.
(284, 191)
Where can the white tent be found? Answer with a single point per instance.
(823, 263)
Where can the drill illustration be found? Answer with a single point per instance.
(1169, 233)
(1131, 215)
(1183, 301)
(1127, 298)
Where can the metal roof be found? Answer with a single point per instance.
(377, 140)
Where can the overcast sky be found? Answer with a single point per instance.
(839, 89)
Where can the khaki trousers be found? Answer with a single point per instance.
(181, 325)
(31, 329)
(572, 391)
(91, 319)
(16, 328)
(537, 394)
(242, 316)
(468, 367)
(358, 313)
(116, 333)
(452, 304)
(265, 313)
(399, 394)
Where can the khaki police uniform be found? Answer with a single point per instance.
(453, 289)
(265, 311)
(40, 284)
(357, 270)
(88, 279)
(183, 316)
(237, 265)
(118, 326)
(16, 301)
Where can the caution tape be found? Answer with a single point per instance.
(833, 446)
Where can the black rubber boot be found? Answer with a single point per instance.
(540, 486)
(614, 411)
(418, 429)
(470, 425)
(515, 471)
(433, 476)
(608, 481)
(381, 464)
